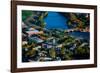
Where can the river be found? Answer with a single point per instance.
(57, 20)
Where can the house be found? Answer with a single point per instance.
(36, 48)
(24, 42)
(34, 32)
(46, 45)
(31, 29)
(24, 25)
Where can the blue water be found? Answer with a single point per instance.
(55, 20)
(77, 34)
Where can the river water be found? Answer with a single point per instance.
(57, 20)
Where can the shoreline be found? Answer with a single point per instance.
(77, 29)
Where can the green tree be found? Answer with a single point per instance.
(68, 55)
(52, 53)
(80, 50)
(26, 14)
(63, 50)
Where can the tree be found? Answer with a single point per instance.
(82, 53)
(31, 53)
(63, 50)
(52, 53)
(68, 55)
(26, 14)
(43, 24)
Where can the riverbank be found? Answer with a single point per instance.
(77, 29)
